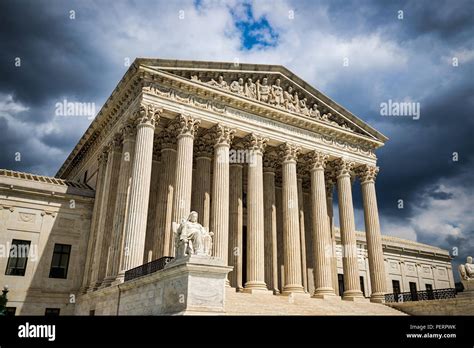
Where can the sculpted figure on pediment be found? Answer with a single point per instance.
(263, 90)
(250, 89)
(314, 112)
(221, 83)
(288, 99)
(296, 102)
(277, 93)
(237, 86)
(303, 108)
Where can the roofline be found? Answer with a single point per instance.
(191, 64)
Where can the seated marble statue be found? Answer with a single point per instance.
(192, 238)
(467, 270)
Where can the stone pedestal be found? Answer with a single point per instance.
(195, 285)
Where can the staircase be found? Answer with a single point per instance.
(238, 303)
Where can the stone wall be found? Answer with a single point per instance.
(193, 285)
(461, 305)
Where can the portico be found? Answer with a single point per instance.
(191, 117)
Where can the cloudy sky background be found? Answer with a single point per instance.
(82, 60)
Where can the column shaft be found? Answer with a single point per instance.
(135, 229)
(373, 235)
(322, 244)
(291, 228)
(121, 204)
(102, 247)
(255, 222)
(165, 202)
(348, 237)
(235, 225)
(184, 174)
(304, 269)
(203, 190)
(270, 225)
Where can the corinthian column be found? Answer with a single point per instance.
(235, 225)
(135, 229)
(220, 191)
(367, 176)
(121, 203)
(101, 254)
(164, 208)
(348, 238)
(270, 223)
(87, 284)
(322, 246)
(291, 227)
(330, 182)
(187, 127)
(255, 223)
(304, 270)
(202, 180)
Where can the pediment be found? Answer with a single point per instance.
(272, 85)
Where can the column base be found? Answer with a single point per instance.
(254, 287)
(119, 279)
(353, 295)
(325, 294)
(107, 282)
(293, 289)
(377, 298)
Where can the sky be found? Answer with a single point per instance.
(359, 53)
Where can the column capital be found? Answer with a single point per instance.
(222, 135)
(103, 155)
(256, 143)
(270, 163)
(147, 115)
(317, 160)
(289, 152)
(186, 125)
(343, 167)
(128, 130)
(329, 183)
(157, 148)
(115, 143)
(367, 173)
(203, 146)
(168, 138)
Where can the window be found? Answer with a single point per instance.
(52, 312)
(414, 294)
(396, 286)
(85, 177)
(10, 311)
(362, 285)
(340, 282)
(18, 257)
(60, 261)
(429, 290)
(92, 312)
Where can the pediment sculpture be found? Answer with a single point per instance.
(274, 94)
(191, 238)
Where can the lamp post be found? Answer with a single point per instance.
(3, 301)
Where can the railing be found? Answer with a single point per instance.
(147, 268)
(426, 295)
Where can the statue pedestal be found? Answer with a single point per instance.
(468, 291)
(194, 285)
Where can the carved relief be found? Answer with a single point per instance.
(275, 94)
(26, 217)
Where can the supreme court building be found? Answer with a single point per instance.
(258, 153)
